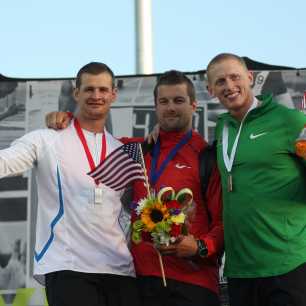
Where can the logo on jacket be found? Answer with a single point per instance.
(179, 166)
(254, 136)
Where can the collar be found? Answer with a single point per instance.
(171, 137)
(264, 103)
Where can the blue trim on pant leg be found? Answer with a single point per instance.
(38, 256)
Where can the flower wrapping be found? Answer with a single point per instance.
(164, 216)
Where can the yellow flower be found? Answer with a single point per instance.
(178, 219)
(154, 214)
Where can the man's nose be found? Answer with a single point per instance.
(96, 94)
(170, 105)
(229, 84)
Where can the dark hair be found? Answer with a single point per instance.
(175, 77)
(225, 56)
(94, 68)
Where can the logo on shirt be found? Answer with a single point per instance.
(254, 136)
(179, 166)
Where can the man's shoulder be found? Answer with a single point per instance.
(222, 117)
(112, 142)
(38, 135)
(220, 123)
(198, 141)
(289, 114)
(289, 119)
(112, 138)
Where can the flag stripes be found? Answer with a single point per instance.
(120, 168)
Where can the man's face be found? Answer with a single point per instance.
(230, 82)
(95, 95)
(174, 109)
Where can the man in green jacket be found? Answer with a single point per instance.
(264, 190)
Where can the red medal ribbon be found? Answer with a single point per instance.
(86, 148)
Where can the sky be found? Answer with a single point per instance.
(53, 39)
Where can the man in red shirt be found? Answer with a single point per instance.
(190, 265)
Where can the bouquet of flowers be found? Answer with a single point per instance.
(300, 144)
(163, 216)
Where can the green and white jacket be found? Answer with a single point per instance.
(265, 213)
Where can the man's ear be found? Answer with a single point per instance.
(76, 92)
(194, 105)
(210, 91)
(251, 77)
(114, 94)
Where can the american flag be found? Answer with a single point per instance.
(120, 168)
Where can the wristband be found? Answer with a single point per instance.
(202, 248)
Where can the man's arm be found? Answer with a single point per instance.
(61, 120)
(214, 239)
(188, 246)
(20, 156)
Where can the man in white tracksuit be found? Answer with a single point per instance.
(81, 251)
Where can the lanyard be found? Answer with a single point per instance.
(86, 148)
(229, 160)
(156, 173)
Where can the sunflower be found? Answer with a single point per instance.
(154, 214)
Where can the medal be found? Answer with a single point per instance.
(97, 194)
(229, 183)
(229, 159)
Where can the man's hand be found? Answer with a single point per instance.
(185, 246)
(57, 120)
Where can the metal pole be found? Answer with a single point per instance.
(143, 29)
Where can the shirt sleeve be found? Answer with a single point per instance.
(20, 156)
(214, 238)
